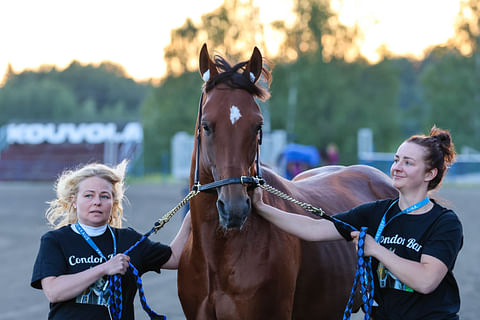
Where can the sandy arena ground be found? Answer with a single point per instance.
(22, 214)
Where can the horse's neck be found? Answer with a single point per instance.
(305, 191)
(274, 179)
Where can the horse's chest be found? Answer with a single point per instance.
(237, 276)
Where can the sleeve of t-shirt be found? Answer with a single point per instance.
(154, 254)
(50, 260)
(360, 216)
(445, 240)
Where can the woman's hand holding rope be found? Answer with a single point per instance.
(369, 246)
(117, 265)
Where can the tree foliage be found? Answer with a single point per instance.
(336, 99)
(328, 93)
(40, 100)
(233, 29)
(451, 94)
(78, 93)
(450, 81)
(319, 94)
(316, 30)
(170, 108)
(468, 28)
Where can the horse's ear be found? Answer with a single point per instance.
(254, 66)
(206, 65)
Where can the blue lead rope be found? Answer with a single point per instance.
(152, 314)
(364, 274)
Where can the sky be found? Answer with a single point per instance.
(134, 33)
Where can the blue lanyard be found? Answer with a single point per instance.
(115, 307)
(383, 224)
(92, 244)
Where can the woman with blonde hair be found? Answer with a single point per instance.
(78, 260)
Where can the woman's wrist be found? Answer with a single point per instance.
(102, 269)
(260, 207)
(377, 250)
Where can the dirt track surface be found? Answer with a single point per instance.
(22, 207)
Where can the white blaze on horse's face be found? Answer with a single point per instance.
(234, 114)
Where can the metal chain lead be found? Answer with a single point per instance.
(196, 190)
(163, 220)
(304, 205)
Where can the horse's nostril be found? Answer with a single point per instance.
(220, 205)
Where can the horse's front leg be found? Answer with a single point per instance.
(192, 285)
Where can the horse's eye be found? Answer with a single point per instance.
(206, 128)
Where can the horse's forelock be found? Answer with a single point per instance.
(233, 77)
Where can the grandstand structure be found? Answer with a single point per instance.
(42, 151)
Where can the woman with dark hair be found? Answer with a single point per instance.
(414, 241)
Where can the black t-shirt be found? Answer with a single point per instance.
(437, 233)
(64, 251)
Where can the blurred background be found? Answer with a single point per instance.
(108, 80)
(103, 81)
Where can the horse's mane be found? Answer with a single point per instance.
(235, 78)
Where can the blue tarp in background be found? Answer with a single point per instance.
(297, 158)
(301, 153)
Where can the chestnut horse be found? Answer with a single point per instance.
(236, 265)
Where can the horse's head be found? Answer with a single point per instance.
(229, 126)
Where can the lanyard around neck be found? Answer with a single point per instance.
(92, 244)
(383, 223)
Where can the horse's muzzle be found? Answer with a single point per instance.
(233, 212)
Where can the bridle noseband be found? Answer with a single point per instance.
(209, 187)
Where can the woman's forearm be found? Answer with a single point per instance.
(178, 243)
(423, 276)
(303, 227)
(66, 287)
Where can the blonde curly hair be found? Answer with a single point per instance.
(61, 211)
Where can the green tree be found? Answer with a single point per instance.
(467, 37)
(170, 108)
(36, 100)
(316, 30)
(451, 95)
(78, 93)
(106, 84)
(334, 100)
(226, 32)
(232, 29)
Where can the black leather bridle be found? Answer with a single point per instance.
(248, 180)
